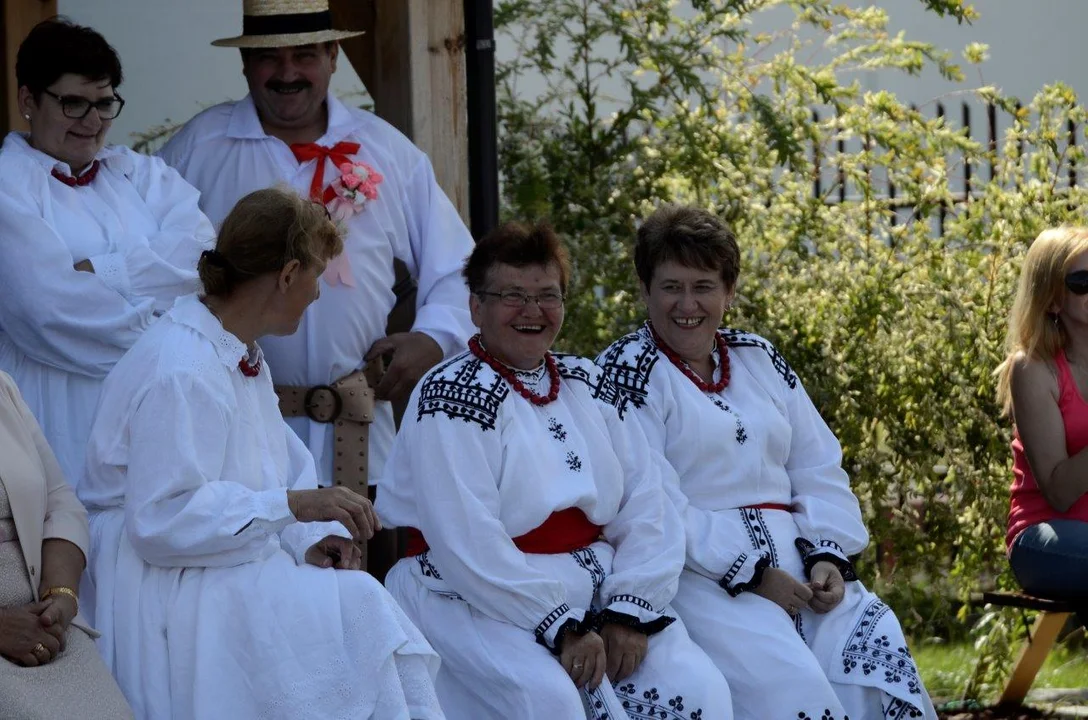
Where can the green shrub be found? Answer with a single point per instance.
(894, 329)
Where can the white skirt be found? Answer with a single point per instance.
(852, 662)
(493, 670)
(265, 639)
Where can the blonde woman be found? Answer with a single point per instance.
(1041, 386)
(228, 585)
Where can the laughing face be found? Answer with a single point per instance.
(686, 305)
(72, 141)
(289, 84)
(518, 336)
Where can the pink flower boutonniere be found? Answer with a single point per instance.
(345, 196)
(349, 193)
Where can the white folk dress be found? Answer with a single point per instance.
(206, 606)
(761, 440)
(226, 154)
(61, 330)
(474, 465)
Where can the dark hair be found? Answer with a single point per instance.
(58, 46)
(263, 232)
(517, 245)
(690, 236)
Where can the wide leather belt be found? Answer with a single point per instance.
(348, 404)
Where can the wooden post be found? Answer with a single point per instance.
(1043, 635)
(412, 61)
(19, 17)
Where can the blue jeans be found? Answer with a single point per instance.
(1050, 559)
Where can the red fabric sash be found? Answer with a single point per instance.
(563, 531)
(769, 506)
(338, 153)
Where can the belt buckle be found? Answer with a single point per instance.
(308, 405)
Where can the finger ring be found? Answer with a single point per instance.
(39, 648)
(577, 666)
(792, 610)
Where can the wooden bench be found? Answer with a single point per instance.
(1053, 615)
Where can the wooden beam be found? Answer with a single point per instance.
(1032, 656)
(19, 17)
(412, 61)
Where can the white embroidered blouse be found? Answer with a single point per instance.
(760, 440)
(475, 464)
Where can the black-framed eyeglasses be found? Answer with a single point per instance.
(1077, 282)
(548, 300)
(76, 107)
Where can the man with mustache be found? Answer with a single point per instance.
(291, 130)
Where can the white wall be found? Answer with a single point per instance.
(172, 71)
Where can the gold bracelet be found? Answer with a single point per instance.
(61, 590)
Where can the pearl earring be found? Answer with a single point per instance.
(26, 116)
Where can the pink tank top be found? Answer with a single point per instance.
(1028, 506)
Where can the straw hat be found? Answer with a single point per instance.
(285, 23)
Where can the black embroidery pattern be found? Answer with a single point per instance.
(596, 704)
(633, 599)
(649, 705)
(739, 338)
(899, 709)
(587, 559)
(572, 367)
(573, 461)
(799, 626)
(761, 538)
(463, 388)
(874, 650)
(547, 622)
(825, 715)
(426, 567)
(628, 362)
(556, 429)
(742, 434)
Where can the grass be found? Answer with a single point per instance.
(946, 667)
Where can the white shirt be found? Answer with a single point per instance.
(760, 440)
(61, 330)
(226, 154)
(215, 495)
(475, 464)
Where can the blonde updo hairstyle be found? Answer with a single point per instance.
(266, 230)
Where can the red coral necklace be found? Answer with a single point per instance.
(510, 377)
(723, 354)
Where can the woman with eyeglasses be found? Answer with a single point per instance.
(95, 240)
(1042, 385)
(769, 590)
(544, 553)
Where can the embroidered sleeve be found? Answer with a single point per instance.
(633, 612)
(437, 246)
(647, 533)
(178, 512)
(826, 550)
(826, 510)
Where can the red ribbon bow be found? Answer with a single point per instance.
(84, 179)
(304, 152)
